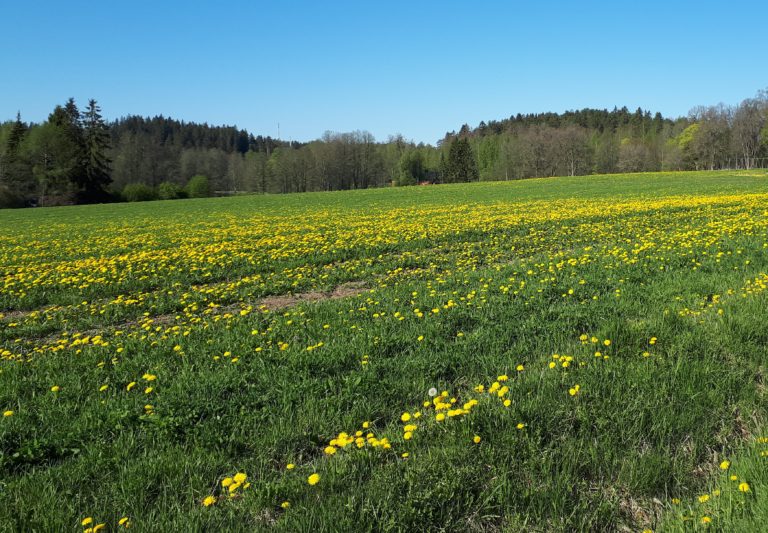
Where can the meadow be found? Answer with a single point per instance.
(564, 354)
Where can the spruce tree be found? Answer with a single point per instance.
(16, 171)
(96, 163)
(460, 164)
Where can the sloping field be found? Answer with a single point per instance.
(546, 355)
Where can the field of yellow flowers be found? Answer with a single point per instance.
(545, 355)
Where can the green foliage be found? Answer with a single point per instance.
(9, 198)
(198, 187)
(138, 192)
(460, 164)
(96, 143)
(170, 191)
(687, 135)
(412, 168)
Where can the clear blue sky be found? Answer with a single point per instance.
(416, 68)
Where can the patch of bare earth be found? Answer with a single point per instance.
(282, 301)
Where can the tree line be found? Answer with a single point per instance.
(77, 157)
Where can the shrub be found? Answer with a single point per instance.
(170, 191)
(138, 192)
(198, 187)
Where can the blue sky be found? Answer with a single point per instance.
(415, 68)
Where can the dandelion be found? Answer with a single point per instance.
(519, 368)
(329, 450)
(149, 377)
(476, 439)
(313, 479)
(520, 425)
(607, 342)
(432, 392)
(290, 466)
(103, 388)
(7, 413)
(227, 481)
(285, 504)
(87, 521)
(55, 388)
(408, 435)
(744, 487)
(705, 520)
(209, 500)
(704, 498)
(240, 477)
(123, 522)
(725, 465)
(405, 417)
(131, 385)
(404, 455)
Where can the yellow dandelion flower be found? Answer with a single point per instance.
(209, 500)
(725, 465)
(285, 504)
(314, 479)
(744, 487)
(476, 439)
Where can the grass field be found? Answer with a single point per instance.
(566, 354)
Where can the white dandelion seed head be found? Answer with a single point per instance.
(432, 392)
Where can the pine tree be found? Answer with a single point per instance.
(96, 142)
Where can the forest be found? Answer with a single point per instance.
(78, 157)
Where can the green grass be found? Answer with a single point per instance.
(666, 256)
